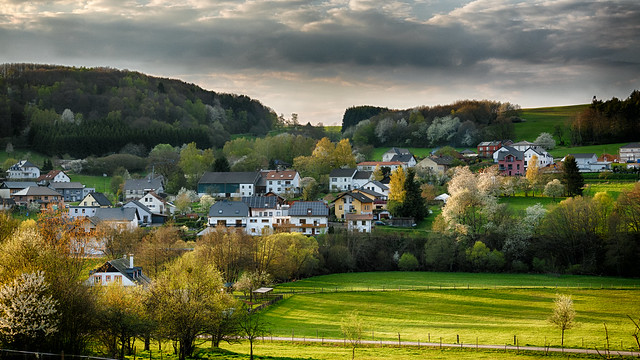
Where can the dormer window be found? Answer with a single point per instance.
(219, 211)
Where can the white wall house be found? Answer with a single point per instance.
(156, 204)
(630, 152)
(588, 162)
(359, 222)
(118, 271)
(280, 182)
(229, 214)
(53, 176)
(347, 179)
(544, 158)
(23, 169)
(309, 217)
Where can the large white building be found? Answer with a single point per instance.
(23, 169)
(281, 182)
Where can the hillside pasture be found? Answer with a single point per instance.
(486, 316)
(562, 151)
(544, 119)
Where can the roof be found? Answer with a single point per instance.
(250, 177)
(36, 191)
(398, 151)
(362, 175)
(524, 143)
(122, 266)
(360, 197)
(263, 202)
(140, 205)
(229, 209)
(467, 151)
(23, 164)
(442, 160)
(380, 163)
(66, 185)
(142, 184)
(519, 155)
(115, 214)
(282, 175)
(309, 208)
(404, 158)
(342, 172)
(378, 184)
(100, 198)
(153, 194)
(50, 175)
(18, 184)
(631, 146)
(370, 192)
(350, 217)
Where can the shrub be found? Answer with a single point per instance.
(408, 262)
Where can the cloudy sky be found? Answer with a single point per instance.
(316, 58)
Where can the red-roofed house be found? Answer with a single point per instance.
(280, 182)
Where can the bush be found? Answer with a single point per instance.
(519, 266)
(408, 262)
(539, 265)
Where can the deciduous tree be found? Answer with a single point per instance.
(563, 315)
(352, 329)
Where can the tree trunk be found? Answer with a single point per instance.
(562, 339)
(250, 349)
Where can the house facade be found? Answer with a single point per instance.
(135, 189)
(371, 165)
(630, 152)
(228, 184)
(352, 203)
(544, 158)
(309, 217)
(436, 164)
(588, 162)
(23, 170)
(157, 204)
(145, 215)
(394, 151)
(9, 188)
(88, 205)
(347, 179)
(117, 218)
(487, 148)
(47, 198)
(71, 191)
(511, 162)
(228, 214)
(359, 222)
(377, 186)
(118, 271)
(53, 176)
(281, 182)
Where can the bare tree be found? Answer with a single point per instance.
(352, 330)
(252, 326)
(563, 316)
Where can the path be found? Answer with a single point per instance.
(472, 346)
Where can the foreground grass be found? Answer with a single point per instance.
(612, 188)
(483, 316)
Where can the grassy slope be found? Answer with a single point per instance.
(539, 120)
(490, 316)
(32, 156)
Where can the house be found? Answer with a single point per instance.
(359, 222)
(544, 158)
(228, 184)
(523, 145)
(9, 188)
(347, 179)
(588, 162)
(511, 162)
(157, 204)
(630, 152)
(47, 198)
(71, 191)
(118, 218)
(393, 152)
(352, 203)
(118, 271)
(377, 186)
(264, 212)
(487, 148)
(145, 215)
(53, 176)
(609, 158)
(6, 204)
(436, 164)
(89, 204)
(280, 182)
(228, 214)
(135, 189)
(309, 217)
(23, 169)
(371, 165)
(468, 153)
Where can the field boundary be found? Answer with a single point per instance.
(451, 345)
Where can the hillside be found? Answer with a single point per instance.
(547, 119)
(93, 111)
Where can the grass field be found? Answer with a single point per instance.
(100, 183)
(613, 188)
(539, 120)
(560, 152)
(520, 203)
(34, 157)
(485, 316)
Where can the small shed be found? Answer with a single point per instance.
(442, 197)
(262, 292)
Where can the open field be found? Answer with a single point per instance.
(539, 120)
(100, 183)
(614, 188)
(520, 203)
(562, 151)
(485, 316)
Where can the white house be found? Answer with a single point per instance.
(264, 212)
(118, 271)
(347, 179)
(544, 158)
(588, 162)
(229, 214)
(630, 152)
(89, 204)
(156, 204)
(145, 215)
(360, 178)
(371, 165)
(394, 151)
(377, 186)
(23, 169)
(280, 182)
(359, 222)
(309, 217)
(53, 176)
(137, 188)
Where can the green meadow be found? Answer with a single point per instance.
(490, 316)
(539, 120)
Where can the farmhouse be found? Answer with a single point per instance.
(588, 162)
(118, 271)
(228, 184)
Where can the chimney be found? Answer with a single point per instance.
(131, 261)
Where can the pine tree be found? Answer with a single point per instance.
(572, 177)
(413, 204)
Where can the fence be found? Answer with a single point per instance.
(31, 355)
(273, 300)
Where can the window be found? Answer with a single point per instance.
(117, 279)
(97, 279)
(107, 278)
(339, 207)
(364, 223)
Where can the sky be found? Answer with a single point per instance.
(317, 58)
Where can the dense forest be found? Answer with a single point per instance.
(463, 123)
(606, 122)
(80, 111)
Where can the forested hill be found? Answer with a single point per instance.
(92, 111)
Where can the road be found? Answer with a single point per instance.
(471, 346)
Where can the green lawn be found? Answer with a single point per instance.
(520, 203)
(613, 188)
(539, 120)
(485, 316)
(560, 152)
(32, 156)
(100, 183)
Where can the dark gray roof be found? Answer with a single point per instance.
(398, 151)
(23, 164)
(17, 184)
(379, 184)
(631, 146)
(262, 202)
(309, 208)
(101, 198)
(250, 177)
(371, 192)
(140, 205)
(142, 184)
(66, 185)
(360, 197)
(442, 160)
(363, 175)
(467, 151)
(121, 214)
(402, 158)
(122, 266)
(229, 209)
(519, 155)
(342, 172)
